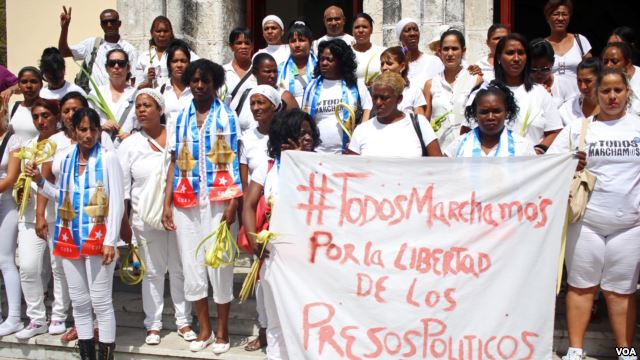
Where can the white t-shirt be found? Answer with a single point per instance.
(14, 143)
(398, 139)
(330, 97)
(424, 68)
(57, 94)
(567, 65)
(279, 52)
(634, 82)
(82, 52)
(563, 90)
(162, 70)
(22, 123)
(268, 178)
(370, 57)
(488, 73)
(172, 104)
(118, 108)
(253, 149)
(522, 147)
(571, 111)
(543, 115)
(138, 161)
(231, 80)
(412, 97)
(350, 40)
(613, 156)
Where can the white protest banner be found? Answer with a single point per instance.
(417, 259)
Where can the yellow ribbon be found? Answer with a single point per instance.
(224, 250)
(350, 124)
(249, 284)
(525, 123)
(129, 274)
(38, 153)
(436, 123)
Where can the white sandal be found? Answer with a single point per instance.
(152, 339)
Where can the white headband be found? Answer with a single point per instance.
(402, 23)
(155, 94)
(269, 92)
(273, 18)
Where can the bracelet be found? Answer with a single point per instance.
(542, 147)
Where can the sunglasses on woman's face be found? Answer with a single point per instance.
(120, 63)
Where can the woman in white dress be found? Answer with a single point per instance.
(53, 68)
(367, 54)
(29, 85)
(495, 33)
(570, 48)
(422, 67)
(141, 155)
(175, 92)
(491, 109)
(272, 31)
(447, 93)
(619, 56)
(237, 72)
(585, 104)
(561, 88)
(118, 95)
(297, 72)
(394, 59)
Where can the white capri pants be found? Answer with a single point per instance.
(601, 252)
(276, 347)
(90, 285)
(193, 225)
(33, 251)
(160, 253)
(8, 245)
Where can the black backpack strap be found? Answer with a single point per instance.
(94, 52)
(15, 108)
(416, 127)
(243, 98)
(577, 36)
(5, 141)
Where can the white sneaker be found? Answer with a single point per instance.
(8, 327)
(220, 348)
(196, 346)
(31, 330)
(574, 354)
(57, 327)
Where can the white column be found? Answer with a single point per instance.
(476, 27)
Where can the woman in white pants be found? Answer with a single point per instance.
(203, 187)
(33, 247)
(89, 205)
(603, 248)
(9, 172)
(141, 155)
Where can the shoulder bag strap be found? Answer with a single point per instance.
(15, 107)
(301, 80)
(163, 88)
(237, 88)
(579, 44)
(127, 110)
(5, 141)
(243, 98)
(416, 127)
(94, 52)
(583, 134)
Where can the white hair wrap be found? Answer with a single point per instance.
(155, 94)
(402, 23)
(273, 18)
(269, 92)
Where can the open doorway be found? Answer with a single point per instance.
(594, 19)
(311, 12)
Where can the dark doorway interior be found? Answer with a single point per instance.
(309, 11)
(594, 19)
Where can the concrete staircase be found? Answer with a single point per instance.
(599, 340)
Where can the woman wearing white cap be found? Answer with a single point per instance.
(272, 31)
(422, 67)
(265, 103)
(141, 155)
